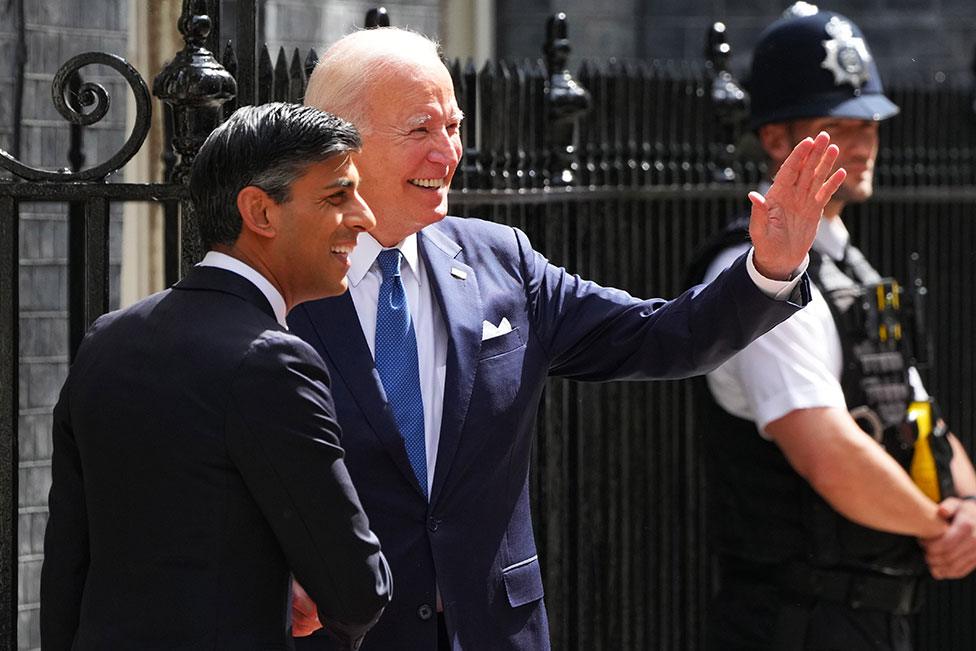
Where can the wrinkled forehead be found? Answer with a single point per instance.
(413, 92)
(422, 73)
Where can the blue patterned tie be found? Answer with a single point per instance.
(396, 362)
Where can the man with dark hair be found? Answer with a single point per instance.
(810, 431)
(196, 451)
(442, 347)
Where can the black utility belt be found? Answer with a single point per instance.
(898, 595)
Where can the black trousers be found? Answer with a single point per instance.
(751, 617)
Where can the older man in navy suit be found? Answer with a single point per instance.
(443, 345)
(196, 451)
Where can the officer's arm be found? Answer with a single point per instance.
(853, 473)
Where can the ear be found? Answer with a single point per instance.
(258, 211)
(775, 140)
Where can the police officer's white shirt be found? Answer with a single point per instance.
(797, 364)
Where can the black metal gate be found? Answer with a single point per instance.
(622, 194)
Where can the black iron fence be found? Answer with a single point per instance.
(618, 172)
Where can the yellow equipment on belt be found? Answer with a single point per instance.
(923, 470)
(930, 468)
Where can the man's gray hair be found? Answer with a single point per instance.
(354, 64)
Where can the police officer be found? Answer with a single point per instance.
(810, 430)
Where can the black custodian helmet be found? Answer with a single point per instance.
(812, 63)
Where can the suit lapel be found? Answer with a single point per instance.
(455, 288)
(337, 325)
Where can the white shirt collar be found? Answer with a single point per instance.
(229, 263)
(832, 238)
(367, 248)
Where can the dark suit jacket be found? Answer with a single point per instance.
(196, 464)
(475, 535)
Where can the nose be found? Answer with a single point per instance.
(445, 149)
(359, 217)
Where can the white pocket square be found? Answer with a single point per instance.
(490, 331)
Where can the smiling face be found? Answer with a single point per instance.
(317, 228)
(411, 148)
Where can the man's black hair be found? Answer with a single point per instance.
(268, 146)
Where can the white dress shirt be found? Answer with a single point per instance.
(223, 261)
(428, 324)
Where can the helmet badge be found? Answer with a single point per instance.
(846, 55)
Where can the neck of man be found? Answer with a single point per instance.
(389, 238)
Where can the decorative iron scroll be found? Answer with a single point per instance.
(90, 95)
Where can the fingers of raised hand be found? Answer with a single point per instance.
(789, 171)
(813, 172)
(825, 166)
(758, 201)
(829, 187)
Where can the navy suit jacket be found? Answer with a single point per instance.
(475, 536)
(196, 465)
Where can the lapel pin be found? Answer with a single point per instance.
(458, 273)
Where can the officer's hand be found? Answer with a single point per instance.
(784, 222)
(953, 554)
(304, 612)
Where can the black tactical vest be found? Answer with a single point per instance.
(762, 511)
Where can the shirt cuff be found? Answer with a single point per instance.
(781, 290)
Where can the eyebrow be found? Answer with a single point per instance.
(419, 120)
(340, 183)
(424, 118)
